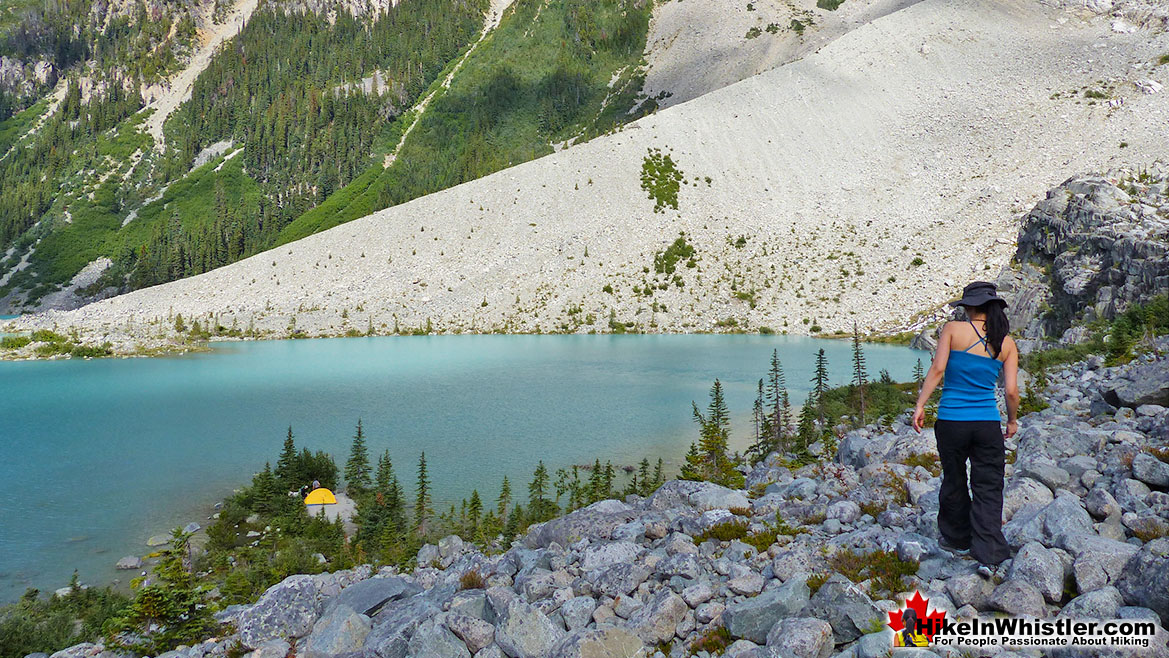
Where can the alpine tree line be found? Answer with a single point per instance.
(776, 428)
(286, 89)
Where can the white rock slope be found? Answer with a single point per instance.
(869, 181)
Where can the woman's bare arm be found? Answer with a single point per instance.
(1011, 384)
(934, 376)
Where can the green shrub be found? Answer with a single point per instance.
(91, 351)
(725, 531)
(830, 5)
(35, 624)
(713, 641)
(886, 570)
(46, 336)
(14, 342)
(666, 262)
(661, 178)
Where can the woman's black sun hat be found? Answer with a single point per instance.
(979, 293)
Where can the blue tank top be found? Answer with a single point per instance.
(968, 391)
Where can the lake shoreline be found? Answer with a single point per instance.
(167, 347)
(168, 431)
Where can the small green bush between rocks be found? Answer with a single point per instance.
(725, 531)
(661, 178)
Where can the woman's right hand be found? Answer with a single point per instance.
(1012, 427)
(918, 419)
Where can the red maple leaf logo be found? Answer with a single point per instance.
(929, 622)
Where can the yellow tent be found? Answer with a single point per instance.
(320, 496)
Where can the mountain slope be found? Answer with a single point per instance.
(863, 183)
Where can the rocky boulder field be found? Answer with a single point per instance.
(1086, 513)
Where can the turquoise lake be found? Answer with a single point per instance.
(101, 454)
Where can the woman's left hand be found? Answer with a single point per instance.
(918, 419)
(1012, 427)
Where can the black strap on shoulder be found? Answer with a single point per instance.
(985, 344)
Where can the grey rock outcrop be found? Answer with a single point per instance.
(1106, 249)
(287, 610)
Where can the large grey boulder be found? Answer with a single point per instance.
(701, 496)
(339, 630)
(1044, 470)
(287, 610)
(1098, 561)
(1040, 567)
(604, 642)
(577, 612)
(395, 623)
(1147, 383)
(597, 521)
(801, 637)
(1103, 603)
(129, 563)
(474, 632)
(83, 650)
(1021, 492)
(658, 619)
(969, 589)
(1063, 516)
(434, 640)
(618, 579)
(368, 596)
(522, 631)
(1018, 598)
(753, 618)
(1101, 504)
(1145, 579)
(599, 556)
(1150, 470)
(682, 564)
(843, 605)
(473, 603)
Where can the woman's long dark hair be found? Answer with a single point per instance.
(909, 620)
(997, 324)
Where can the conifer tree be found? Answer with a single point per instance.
(859, 374)
(422, 510)
(807, 432)
(169, 611)
(714, 463)
(820, 385)
(389, 495)
(504, 500)
(757, 415)
(474, 513)
(512, 527)
(357, 468)
(777, 398)
(609, 477)
(918, 374)
(540, 508)
(659, 476)
(596, 484)
(286, 470)
(694, 466)
(643, 478)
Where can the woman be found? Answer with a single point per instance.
(909, 635)
(971, 355)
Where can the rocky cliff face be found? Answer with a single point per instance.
(1086, 513)
(1095, 246)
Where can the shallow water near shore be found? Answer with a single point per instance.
(101, 454)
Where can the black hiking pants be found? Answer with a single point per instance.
(964, 523)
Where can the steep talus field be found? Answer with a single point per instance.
(863, 183)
